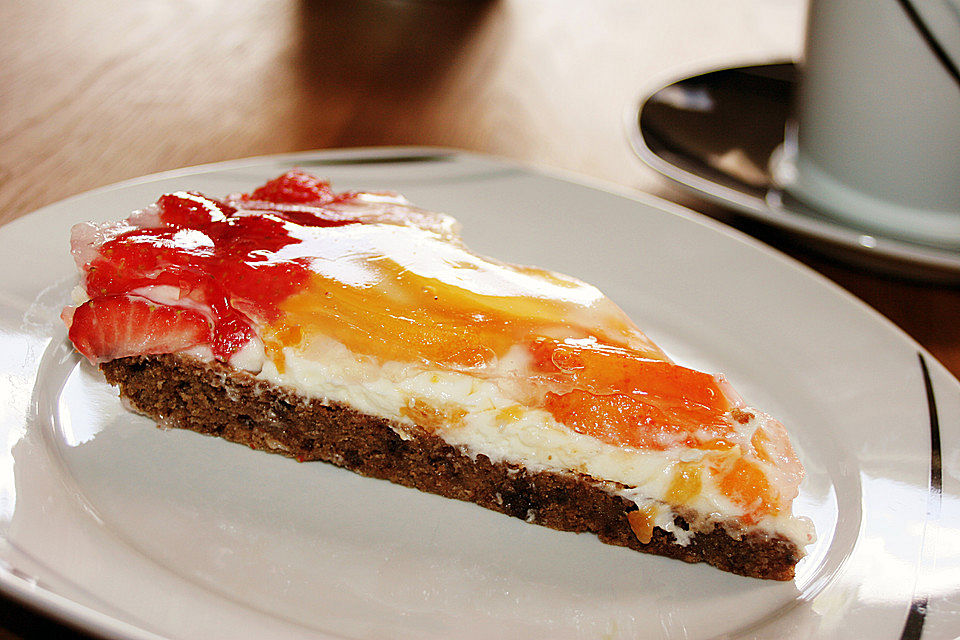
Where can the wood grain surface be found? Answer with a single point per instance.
(98, 91)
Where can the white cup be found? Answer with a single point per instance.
(877, 139)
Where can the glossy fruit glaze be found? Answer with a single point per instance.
(293, 259)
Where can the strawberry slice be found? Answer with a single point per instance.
(111, 327)
(295, 187)
(191, 210)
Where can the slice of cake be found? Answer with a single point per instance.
(357, 329)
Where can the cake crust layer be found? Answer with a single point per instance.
(213, 399)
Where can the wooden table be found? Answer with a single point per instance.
(98, 91)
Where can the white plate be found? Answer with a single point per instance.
(130, 531)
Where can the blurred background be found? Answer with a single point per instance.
(99, 91)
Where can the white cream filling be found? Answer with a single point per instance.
(487, 419)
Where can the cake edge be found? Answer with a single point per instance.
(214, 399)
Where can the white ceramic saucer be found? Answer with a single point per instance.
(716, 134)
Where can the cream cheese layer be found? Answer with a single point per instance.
(481, 416)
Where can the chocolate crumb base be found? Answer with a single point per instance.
(215, 400)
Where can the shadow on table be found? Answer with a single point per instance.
(397, 44)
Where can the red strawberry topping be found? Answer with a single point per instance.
(213, 254)
(298, 197)
(111, 327)
(295, 187)
(191, 210)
